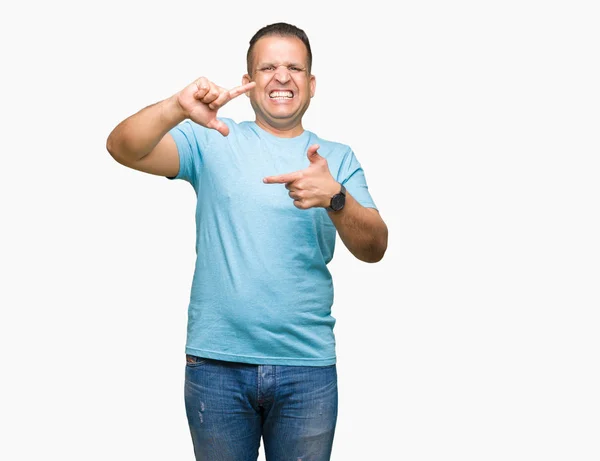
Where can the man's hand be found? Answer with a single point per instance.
(201, 100)
(311, 187)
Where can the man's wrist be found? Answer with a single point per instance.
(172, 110)
(337, 200)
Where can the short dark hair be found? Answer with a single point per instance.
(282, 29)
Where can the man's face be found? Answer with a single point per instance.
(283, 85)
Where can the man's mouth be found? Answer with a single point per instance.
(281, 95)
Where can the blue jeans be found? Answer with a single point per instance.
(230, 405)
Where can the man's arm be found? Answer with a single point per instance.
(361, 229)
(139, 141)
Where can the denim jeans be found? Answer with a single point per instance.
(231, 405)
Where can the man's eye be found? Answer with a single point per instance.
(268, 68)
(295, 69)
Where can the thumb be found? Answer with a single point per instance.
(218, 125)
(312, 153)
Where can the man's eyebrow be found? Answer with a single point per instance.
(292, 64)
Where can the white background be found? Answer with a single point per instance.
(477, 124)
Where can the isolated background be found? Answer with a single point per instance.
(477, 124)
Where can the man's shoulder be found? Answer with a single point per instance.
(231, 123)
(243, 128)
(329, 146)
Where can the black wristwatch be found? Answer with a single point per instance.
(338, 200)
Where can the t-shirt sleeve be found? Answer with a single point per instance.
(189, 139)
(352, 176)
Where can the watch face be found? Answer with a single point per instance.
(337, 202)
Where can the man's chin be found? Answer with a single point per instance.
(282, 117)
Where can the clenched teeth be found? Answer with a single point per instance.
(281, 94)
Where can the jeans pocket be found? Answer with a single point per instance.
(194, 361)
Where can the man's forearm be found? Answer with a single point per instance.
(361, 229)
(138, 134)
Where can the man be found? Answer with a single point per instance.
(260, 346)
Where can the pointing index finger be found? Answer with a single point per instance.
(235, 92)
(282, 178)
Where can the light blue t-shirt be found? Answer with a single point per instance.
(261, 292)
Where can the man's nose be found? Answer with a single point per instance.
(282, 74)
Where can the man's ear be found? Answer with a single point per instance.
(246, 79)
(313, 85)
